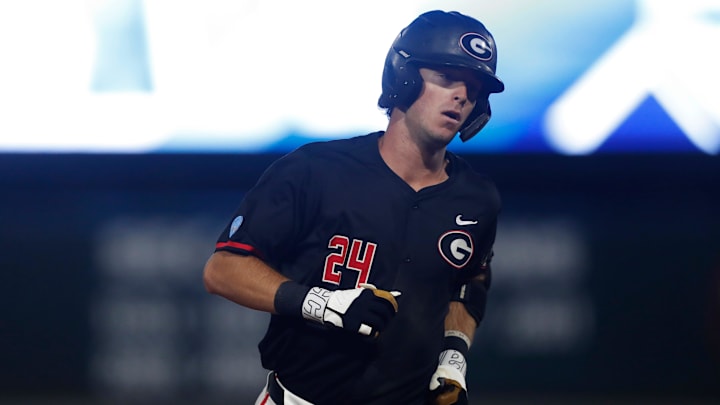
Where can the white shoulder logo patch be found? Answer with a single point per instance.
(235, 225)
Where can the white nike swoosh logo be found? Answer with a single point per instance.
(463, 222)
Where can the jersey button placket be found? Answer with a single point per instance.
(415, 207)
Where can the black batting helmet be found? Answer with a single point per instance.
(438, 38)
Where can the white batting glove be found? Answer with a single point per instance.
(448, 382)
(452, 366)
(366, 310)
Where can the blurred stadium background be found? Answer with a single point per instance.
(130, 130)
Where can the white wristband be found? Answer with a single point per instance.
(460, 335)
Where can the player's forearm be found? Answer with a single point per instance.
(459, 319)
(467, 306)
(245, 280)
(448, 382)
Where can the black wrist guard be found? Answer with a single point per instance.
(289, 298)
(473, 294)
(456, 343)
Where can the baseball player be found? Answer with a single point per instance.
(373, 253)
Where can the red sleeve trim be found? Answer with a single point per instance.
(236, 245)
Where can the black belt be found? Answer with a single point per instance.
(277, 393)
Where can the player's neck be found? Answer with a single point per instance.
(418, 167)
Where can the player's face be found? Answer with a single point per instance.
(445, 102)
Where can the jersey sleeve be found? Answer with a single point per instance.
(269, 220)
(484, 267)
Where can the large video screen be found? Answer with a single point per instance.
(207, 76)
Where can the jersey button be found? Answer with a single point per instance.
(407, 260)
(415, 206)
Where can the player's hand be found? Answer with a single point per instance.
(447, 387)
(366, 310)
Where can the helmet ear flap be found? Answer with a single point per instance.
(401, 83)
(408, 84)
(477, 120)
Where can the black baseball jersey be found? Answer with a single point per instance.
(333, 214)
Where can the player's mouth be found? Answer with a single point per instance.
(453, 115)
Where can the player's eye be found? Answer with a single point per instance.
(443, 77)
(473, 92)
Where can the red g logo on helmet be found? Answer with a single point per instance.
(456, 247)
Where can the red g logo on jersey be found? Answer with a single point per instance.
(456, 247)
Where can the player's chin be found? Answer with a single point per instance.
(446, 135)
(449, 129)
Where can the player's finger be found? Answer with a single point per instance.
(388, 296)
(372, 287)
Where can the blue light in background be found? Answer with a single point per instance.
(122, 59)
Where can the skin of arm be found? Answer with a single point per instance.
(458, 318)
(245, 280)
